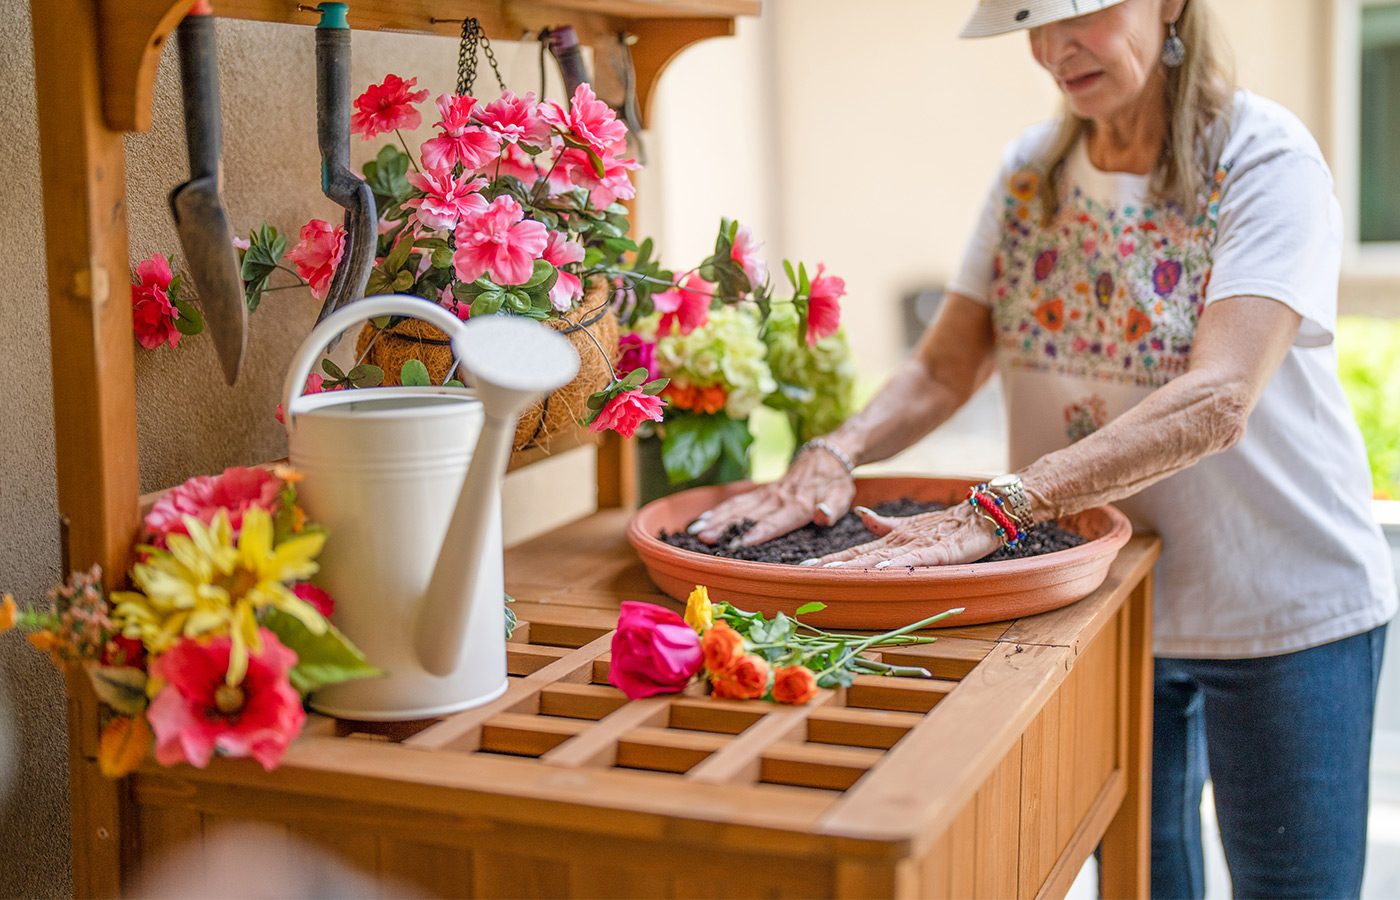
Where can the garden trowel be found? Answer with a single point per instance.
(203, 227)
(337, 180)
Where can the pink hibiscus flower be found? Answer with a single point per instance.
(560, 251)
(236, 491)
(588, 119)
(602, 192)
(625, 411)
(152, 314)
(448, 199)
(317, 254)
(197, 711)
(514, 119)
(824, 306)
(497, 241)
(635, 352)
(384, 107)
(461, 140)
(745, 253)
(686, 306)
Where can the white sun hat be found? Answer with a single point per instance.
(1002, 16)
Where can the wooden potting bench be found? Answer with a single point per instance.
(995, 779)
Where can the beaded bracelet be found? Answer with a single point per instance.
(989, 507)
(823, 444)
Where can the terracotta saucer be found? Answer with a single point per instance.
(880, 598)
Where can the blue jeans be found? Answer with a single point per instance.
(1286, 741)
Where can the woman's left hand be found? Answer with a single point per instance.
(947, 537)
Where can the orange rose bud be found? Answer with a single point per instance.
(794, 684)
(9, 613)
(748, 680)
(711, 399)
(723, 648)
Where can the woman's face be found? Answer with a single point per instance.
(1105, 61)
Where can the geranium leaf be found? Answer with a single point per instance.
(403, 281)
(414, 374)
(121, 687)
(365, 375)
(814, 606)
(322, 659)
(332, 369)
(540, 273)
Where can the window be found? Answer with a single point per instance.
(1378, 207)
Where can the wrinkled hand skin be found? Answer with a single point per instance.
(943, 538)
(815, 488)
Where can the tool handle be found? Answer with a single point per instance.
(199, 85)
(333, 104)
(563, 45)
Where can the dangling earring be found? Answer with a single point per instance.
(1173, 50)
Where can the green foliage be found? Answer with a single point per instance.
(414, 374)
(322, 659)
(363, 375)
(260, 260)
(387, 176)
(695, 441)
(1367, 351)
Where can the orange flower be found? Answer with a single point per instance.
(680, 395)
(794, 684)
(723, 648)
(711, 399)
(123, 745)
(1023, 184)
(748, 680)
(1138, 324)
(1051, 314)
(9, 613)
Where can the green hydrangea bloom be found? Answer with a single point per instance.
(815, 385)
(726, 351)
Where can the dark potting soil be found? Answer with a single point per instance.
(811, 541)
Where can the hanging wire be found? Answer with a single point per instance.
(473, 39)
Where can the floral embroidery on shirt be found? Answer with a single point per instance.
(1085, 417)
(1109, 293)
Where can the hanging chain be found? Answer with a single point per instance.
(474, 37)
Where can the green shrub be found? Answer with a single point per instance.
(1368, 362)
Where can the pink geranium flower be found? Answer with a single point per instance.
(197, 711)
(515, 119)
(824, 306)
(560, 251)
(653, 651)
(745, 253)
(602, 192)
(448, 199)
(626, 411)
(588, 120)
(686, 306)
(461, 139)
(636, 352)
(236, 491)
(152, 314)
(384, 107)
(497, 241)
(317, 254)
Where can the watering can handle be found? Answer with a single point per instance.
(353, 314)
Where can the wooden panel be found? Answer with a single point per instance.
(664, 750)
(522, 735)
(898, 694)
(949, 658)
(581, 701)
(529, 658)
(1040, 767)
(587, 882)
(860, 880)
(598, 745)
(998, 808)
(1127, 842)
(435, 870)
(816, 765)
(508, 875)
(877, 729)
(720, 716)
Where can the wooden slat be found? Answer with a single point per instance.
(435, 870)
(518, 875)
(950, 658)
(1085, 838)
(1127, 842)
(739, 760)
(998, 829)
(581, 701)
(527, 735)
(876, 729)
(720, 716)
(665, 750)
(899, 694)
(598, 745)
(817, 765)
(526, 659)
(1040, 766)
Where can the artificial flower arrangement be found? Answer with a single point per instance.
(741, 655)
(223, 636)
(513, 208)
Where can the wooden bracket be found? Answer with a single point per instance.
(131, 37)
(659, 41)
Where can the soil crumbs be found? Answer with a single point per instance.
(811, 541)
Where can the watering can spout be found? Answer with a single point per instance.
(510, 362)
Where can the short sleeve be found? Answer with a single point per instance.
(974, 278)
(1279, 235)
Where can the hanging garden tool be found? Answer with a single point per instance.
(203, 227)
(337, 180)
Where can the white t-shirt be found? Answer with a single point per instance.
(1269, 546)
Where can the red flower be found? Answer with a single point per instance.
(153, 315)
(1045, 263)
(824, 306)
(588, 120)
(236, 491)
(687, 306)
(1165, 276)
(1138, 325)
(626, 411)
(320, 601)
(653, 651)
(384, 107)
(794, 684)
(198, 711)
(636, 352)
(461, 140)
(1051, 314)
(317, 254)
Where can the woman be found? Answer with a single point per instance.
(1155, 278)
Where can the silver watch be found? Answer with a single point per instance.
(1008, 488)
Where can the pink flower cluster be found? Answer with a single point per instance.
(153, 314)
(236, 491)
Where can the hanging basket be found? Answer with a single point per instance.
(591, 328)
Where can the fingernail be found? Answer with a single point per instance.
(865, 511)
(809, 562)
(704, 515)
(824, 510)
(834, 565)
(885, 564)
(697, 526)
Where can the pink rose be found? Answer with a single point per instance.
(653, 651)
(626, 411)
(152, 314)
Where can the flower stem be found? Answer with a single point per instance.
(407, 152)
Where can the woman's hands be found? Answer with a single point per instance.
(815, 488)
(943, 538)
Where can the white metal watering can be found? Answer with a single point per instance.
(407, 482)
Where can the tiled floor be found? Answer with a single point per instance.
(974, 443)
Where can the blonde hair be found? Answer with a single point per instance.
(1199, 92)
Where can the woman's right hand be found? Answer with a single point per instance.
(815, 488)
